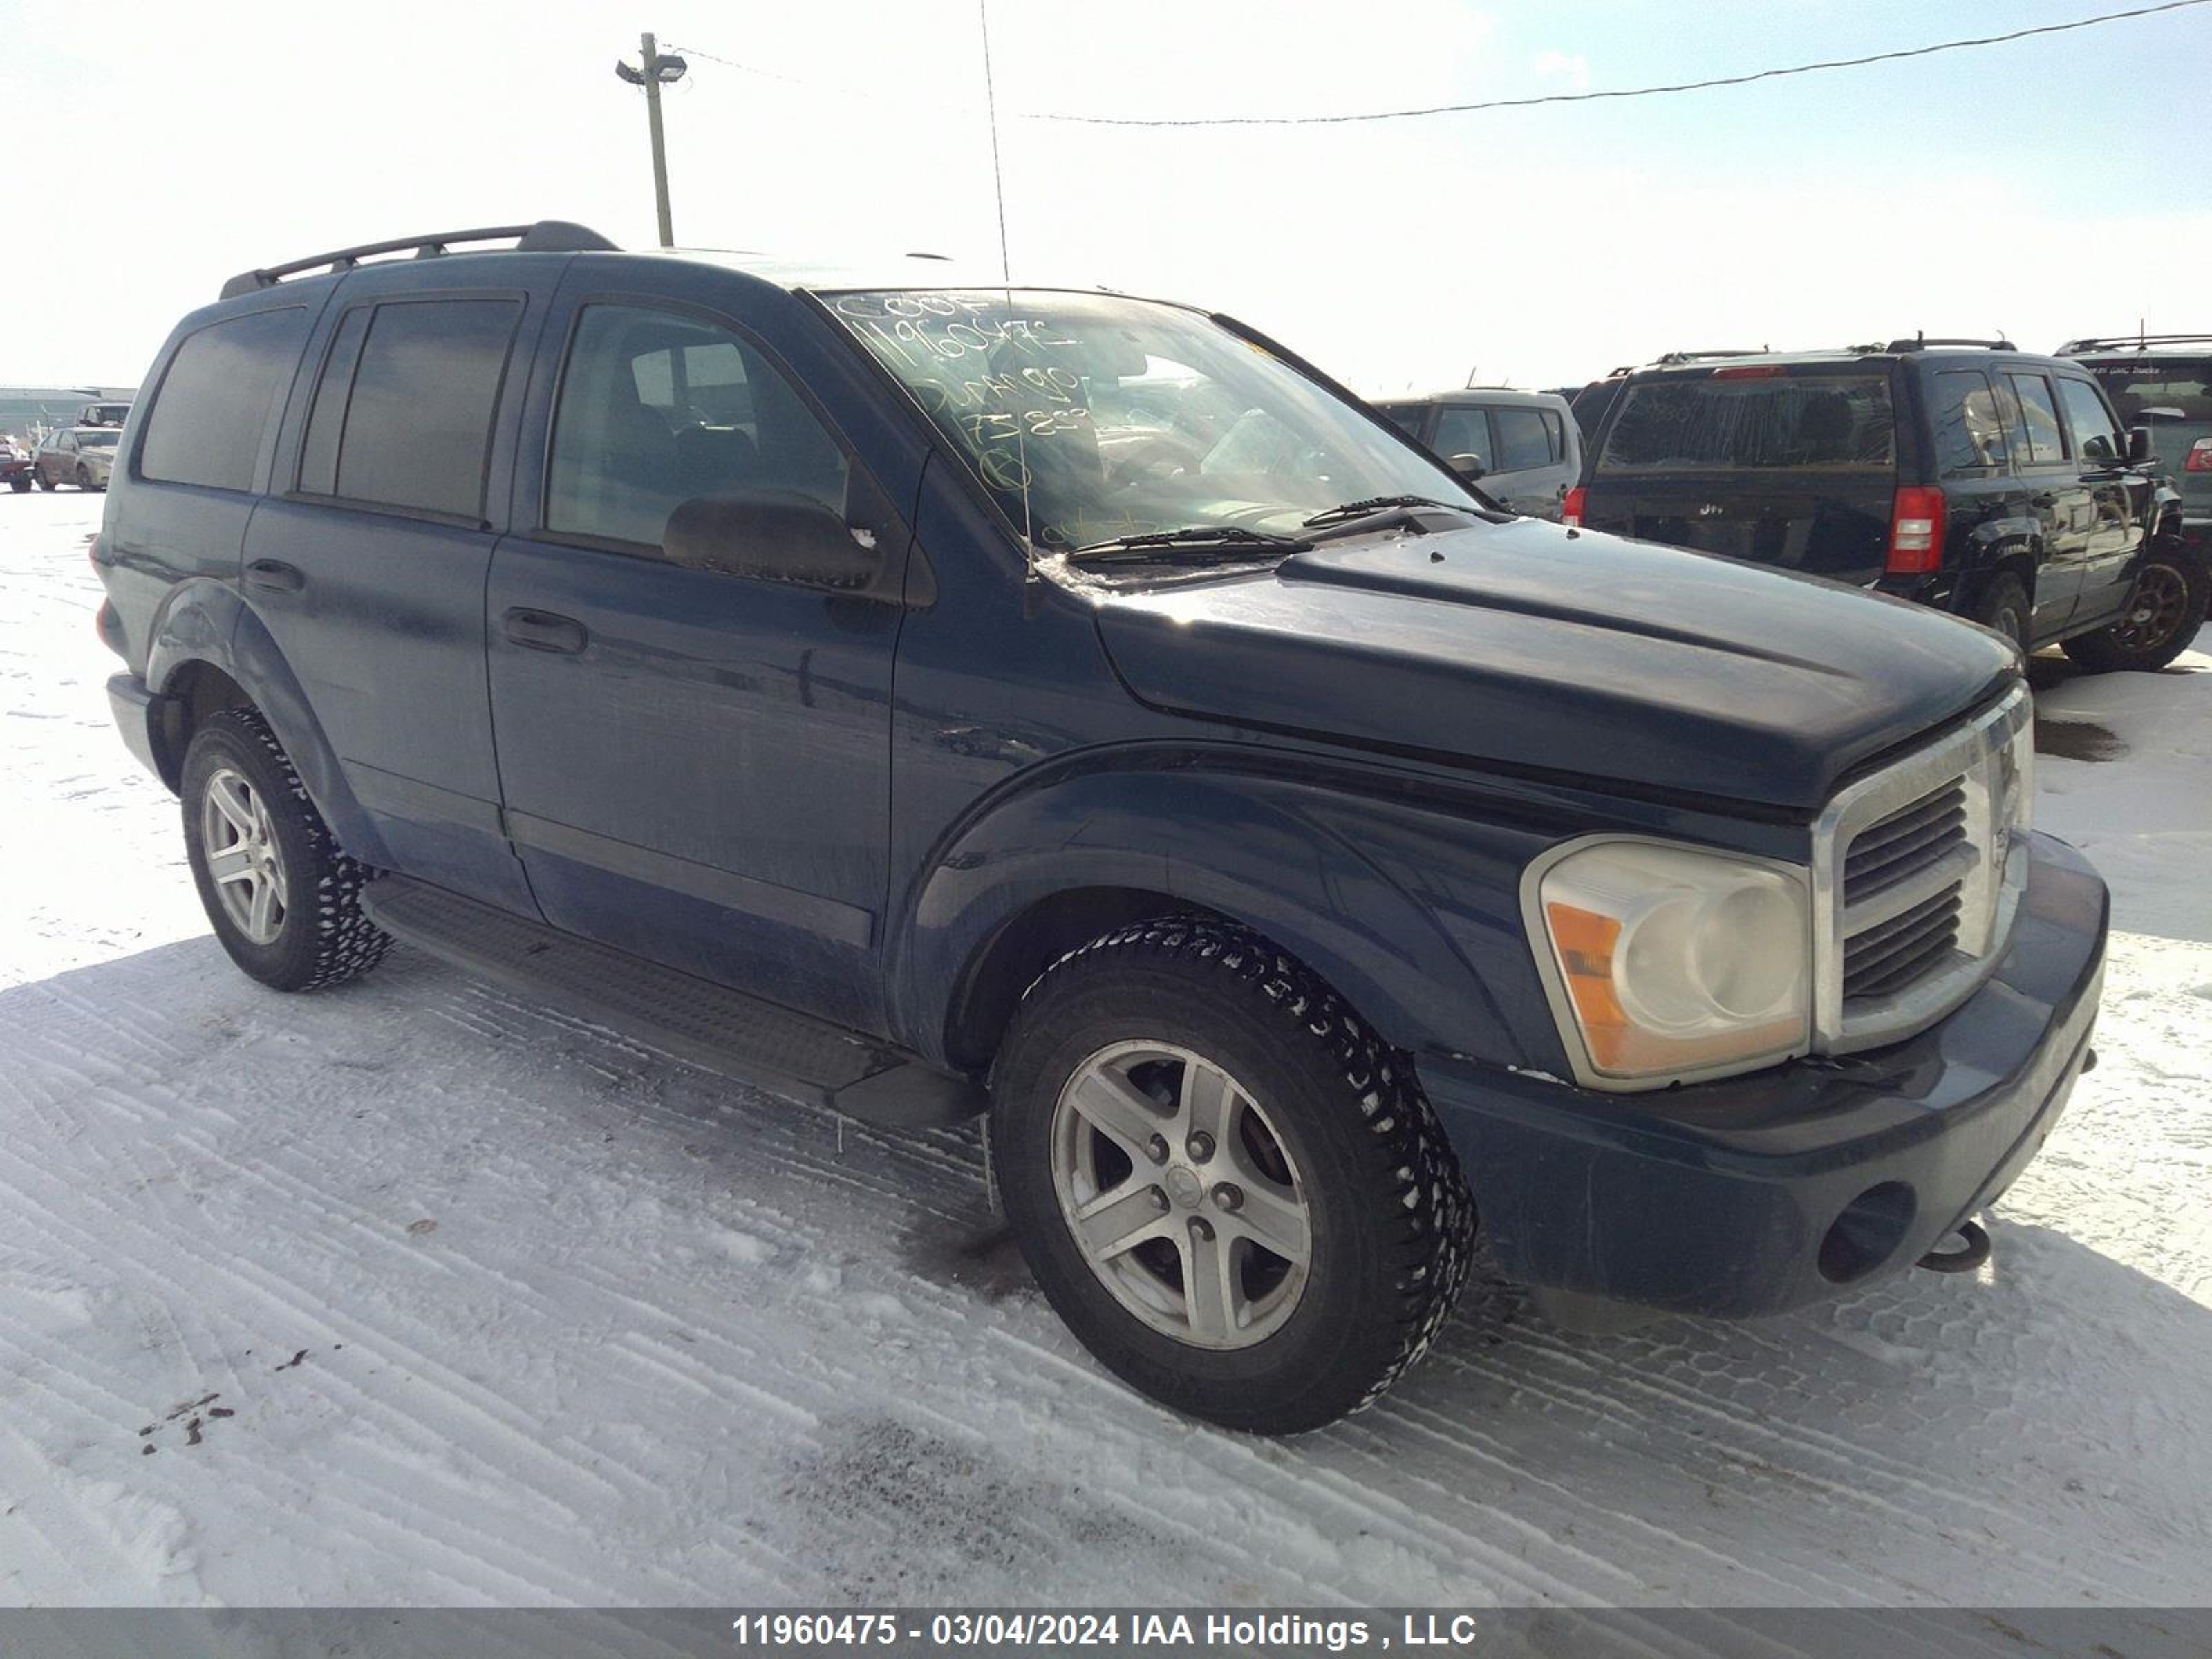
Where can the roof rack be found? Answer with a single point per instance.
(1706, 356)
(1922, 342)
(546, 236)
(2131, 342)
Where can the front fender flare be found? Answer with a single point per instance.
(1320, 872)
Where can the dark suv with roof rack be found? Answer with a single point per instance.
(1964, 475)
(923, 696)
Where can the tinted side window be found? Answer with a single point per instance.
(1970, 430)
(1407, 418)
(217, 398)
(656, 409)
(1461, 430)
(2034, 419)
(2095, 437)
(1524, 440)
(414, 430)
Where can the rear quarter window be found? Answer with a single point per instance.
(216, 400)
(1970, 429)
(1823, 423)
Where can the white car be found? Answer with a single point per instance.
(79, 455)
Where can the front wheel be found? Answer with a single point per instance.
(45, 483)
(285, 901)
(20, 486)
(1232, 1191)
(2163, 614)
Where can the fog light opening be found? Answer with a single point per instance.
(1867, 1234)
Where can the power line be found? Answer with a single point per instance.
(1592, 97)
(1530, 103)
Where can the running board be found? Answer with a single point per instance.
(709, 1025)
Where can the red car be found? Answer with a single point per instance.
(14, 465)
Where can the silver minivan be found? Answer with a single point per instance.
(1521, 448)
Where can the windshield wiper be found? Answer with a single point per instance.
(1378, 503)
(1176, 546)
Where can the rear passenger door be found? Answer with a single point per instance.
(696, 763)
(367, 567)
(2062, 505)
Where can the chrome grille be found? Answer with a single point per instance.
(1916, 872)
(1904, 844)
(1890, 955)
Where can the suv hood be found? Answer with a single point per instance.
(1521, 644)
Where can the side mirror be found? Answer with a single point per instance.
(773, 535)
(1469, 467)
(2139, 450)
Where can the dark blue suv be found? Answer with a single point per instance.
(921, 697)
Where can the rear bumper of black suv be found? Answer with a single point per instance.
(1763, 1192)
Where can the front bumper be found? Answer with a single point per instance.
(1762, 1192)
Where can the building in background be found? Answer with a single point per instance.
(28, 412)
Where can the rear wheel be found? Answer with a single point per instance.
(2003, 606)
(20, 486)
(1231, 1190)
(2163, 614)
(284, 899)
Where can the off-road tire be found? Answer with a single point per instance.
(323, 938)
(2003, 605)
(2114, 648)
(1392, 1223)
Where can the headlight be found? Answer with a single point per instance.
(1666, 963)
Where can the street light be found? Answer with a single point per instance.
(656, 72)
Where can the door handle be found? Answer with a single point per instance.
(542, 630)
(275, 575)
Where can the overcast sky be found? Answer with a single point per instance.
(2047, 188)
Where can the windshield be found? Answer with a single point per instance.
(1092, 417)
(96, 439)
(1826, 423)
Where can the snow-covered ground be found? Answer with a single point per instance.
(416, 1292)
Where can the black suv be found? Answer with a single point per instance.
(1966, 475)
(926, 697)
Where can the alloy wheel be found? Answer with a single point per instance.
(1181, 1196)
(2155, 610)
(243, 859)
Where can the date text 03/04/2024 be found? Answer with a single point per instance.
(1162, 1629)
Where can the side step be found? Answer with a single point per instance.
(743, 1038)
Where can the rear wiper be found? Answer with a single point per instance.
(1378, 503)
(1176, 546)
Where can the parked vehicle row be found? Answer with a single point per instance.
(1968, 476)
(928, 699)
(2060, 500)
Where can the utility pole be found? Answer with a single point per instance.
(657, 71)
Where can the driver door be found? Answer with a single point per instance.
(696, 764)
